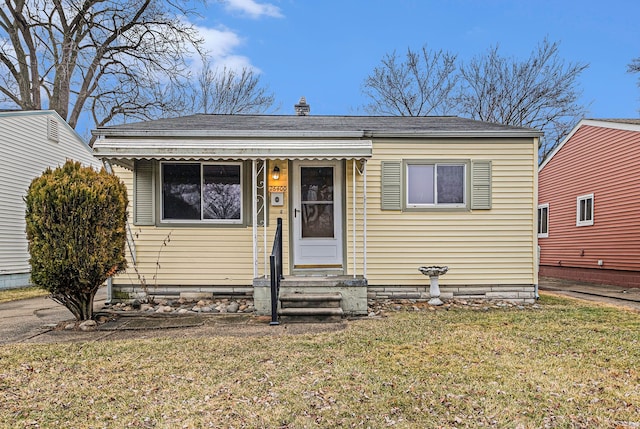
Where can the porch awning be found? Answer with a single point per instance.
(123, 150)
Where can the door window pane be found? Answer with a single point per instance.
(317, 206)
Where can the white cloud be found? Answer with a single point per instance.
(221, 45)
(219, 42)
(253, 9)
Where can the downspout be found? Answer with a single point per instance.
(364, 218)
(109, 170)
(363, 173)
(536, 248)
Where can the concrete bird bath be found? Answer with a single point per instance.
(434, 289)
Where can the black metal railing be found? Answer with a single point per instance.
(275, 262)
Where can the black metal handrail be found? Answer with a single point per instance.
(275, 262)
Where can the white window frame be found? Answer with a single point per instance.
(541, 207)
(579, 200)
(202, 220)
(435, 204)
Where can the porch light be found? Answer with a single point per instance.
(275, 174)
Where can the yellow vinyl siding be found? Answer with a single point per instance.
(495, 246)
(193, 256)
(481, 247)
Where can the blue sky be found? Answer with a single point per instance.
(324, 49)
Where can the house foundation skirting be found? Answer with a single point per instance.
(516, 293)
(355, 293)
(13, 281)
(593, 275)
(128, 292)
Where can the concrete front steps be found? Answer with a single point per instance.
(310, 307)
(301, 294)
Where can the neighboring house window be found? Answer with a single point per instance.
(584, 210)
(435, 184)
(206, 192)
(543, 220)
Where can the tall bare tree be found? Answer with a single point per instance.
(540, 92)
(113, 57)
(227, 91)
(420, 85)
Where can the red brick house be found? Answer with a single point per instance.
(589, 204)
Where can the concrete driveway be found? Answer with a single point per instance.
(25, 319)
(628, 298)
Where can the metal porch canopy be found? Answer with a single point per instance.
(122, 149)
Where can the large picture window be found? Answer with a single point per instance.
(202, 192)
(435, 185)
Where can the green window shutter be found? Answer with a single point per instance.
(143, 201)
(481, 185)
(391, 185)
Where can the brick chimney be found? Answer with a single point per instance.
(302, 108)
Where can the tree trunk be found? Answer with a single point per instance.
(81, 305)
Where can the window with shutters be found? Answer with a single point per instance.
(411, 185)
(435, 184)
(201, 192)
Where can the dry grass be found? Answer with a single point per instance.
(568, 364)
(21, 293)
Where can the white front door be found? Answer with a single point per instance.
(317, 214)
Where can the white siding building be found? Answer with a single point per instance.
(30, 141)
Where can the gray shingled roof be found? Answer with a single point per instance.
(293, 124)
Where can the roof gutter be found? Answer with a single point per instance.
(255, 134)
(453, 134)
(103, 132)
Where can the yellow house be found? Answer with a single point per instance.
(364, 202)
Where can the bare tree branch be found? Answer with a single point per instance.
(540, 92)
(227, 91)
(72, 50)
(419, 86)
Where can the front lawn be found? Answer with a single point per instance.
(7, 295)
(567, 364)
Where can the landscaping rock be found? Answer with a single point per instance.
(88, 325)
